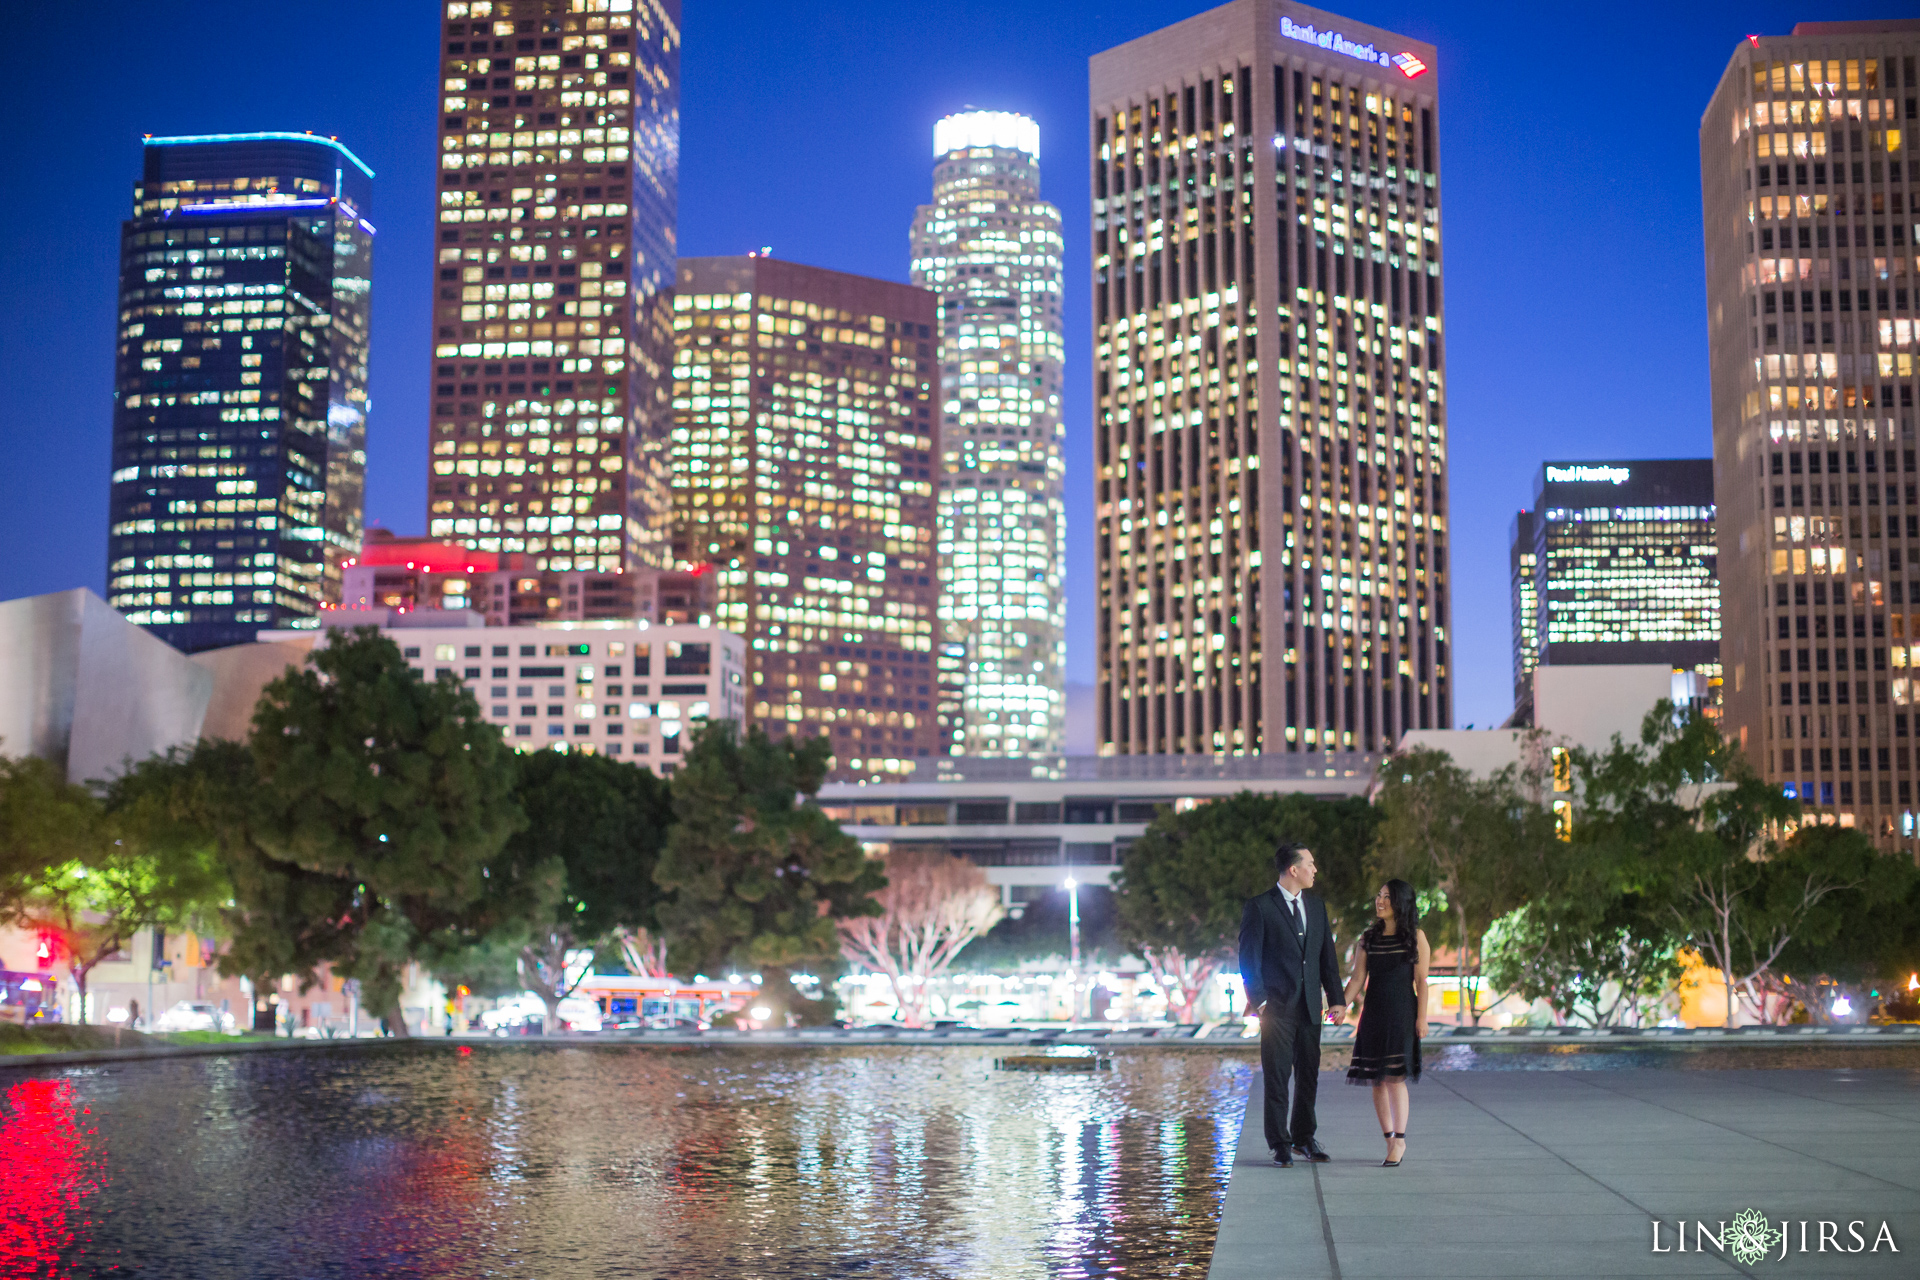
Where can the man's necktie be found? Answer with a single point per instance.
(1299, 925)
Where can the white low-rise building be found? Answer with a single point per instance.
(1032, 821)
(1574, 705)
(627, 689)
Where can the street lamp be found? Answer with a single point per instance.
(1072, 887)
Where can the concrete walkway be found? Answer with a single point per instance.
(1560, 1173)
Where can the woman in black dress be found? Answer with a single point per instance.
(1390, 962)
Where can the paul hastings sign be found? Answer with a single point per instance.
(1751, 1237)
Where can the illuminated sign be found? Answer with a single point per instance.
(1407, 64)
(1588, 475)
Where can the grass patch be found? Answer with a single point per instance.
(195, 1037)
(61, 1038)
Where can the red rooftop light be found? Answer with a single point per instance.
(431, 557)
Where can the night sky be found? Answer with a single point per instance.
(1570, 219)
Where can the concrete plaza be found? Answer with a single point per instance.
(1556, 1173)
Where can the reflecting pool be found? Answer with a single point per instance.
(550, 1161)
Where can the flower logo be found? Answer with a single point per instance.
(1751, 1237)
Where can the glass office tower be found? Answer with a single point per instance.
(1810, 177)
(805, 455)
(559, 163)
(991, 249)
(240, 400)
(1270, 445)
(1621, 562)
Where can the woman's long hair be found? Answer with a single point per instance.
(1406, 913)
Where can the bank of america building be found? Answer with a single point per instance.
(1270, 446)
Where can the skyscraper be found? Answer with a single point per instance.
(991, 249)
(559, 161)
(240, 405)
(1271, 437)
(1620, 560)
(805, 456)
(1810, 178)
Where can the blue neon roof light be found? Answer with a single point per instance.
(203, 139)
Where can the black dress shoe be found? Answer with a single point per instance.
(1312, 1150)
(1283, 1158)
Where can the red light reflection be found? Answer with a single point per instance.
(49, 1169)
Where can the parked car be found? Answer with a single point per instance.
(526, 1016)
(529, 1024)
(194, 1015)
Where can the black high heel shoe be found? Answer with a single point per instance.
(1394, 1164)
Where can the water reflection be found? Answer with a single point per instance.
(550, 1161)
(48, 1174)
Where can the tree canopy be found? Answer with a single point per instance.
(1181, 886)
(1483, 844)
(759, 876)
(580, 870)
(933, 905)
(377, 801)
(93, 866)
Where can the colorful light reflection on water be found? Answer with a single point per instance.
(548, 1161)
(48, 1173)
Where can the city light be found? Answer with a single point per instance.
(986, 129)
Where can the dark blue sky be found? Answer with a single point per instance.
(1570, 218)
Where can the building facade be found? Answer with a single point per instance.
(1521, 562)
(1271, 433)
(559, 162)
(1623, 569)
(240, 385)
(1032, 822)
(991, 248)
(509, 591)
(1809, 177)
(617, 688)
(805, 458)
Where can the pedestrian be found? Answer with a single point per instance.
(133, 1014)
(1390, 964)
(1287, 961)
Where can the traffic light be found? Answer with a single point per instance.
(1562, 769)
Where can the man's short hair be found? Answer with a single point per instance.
(1285, 856)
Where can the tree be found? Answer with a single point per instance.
(1482, 843)
(1181, 886)
(1847, 938)
(1703, 833)
(1599, 963)
(45, 821)
(642, 951)
(759, 875)
(580, 869)
(933, 905)
(124, 863)
(488, 967)
(376, 802)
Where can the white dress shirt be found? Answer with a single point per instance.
(1292, 901)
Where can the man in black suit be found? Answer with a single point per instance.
(1287, 962)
